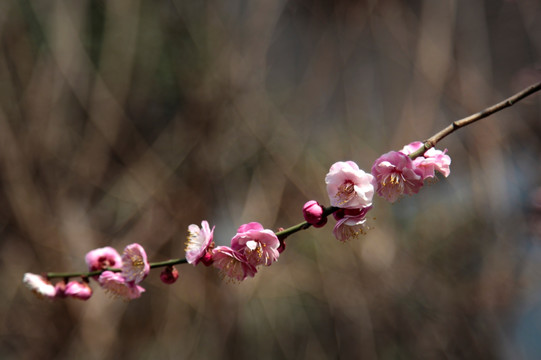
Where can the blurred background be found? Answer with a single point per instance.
(126, 121)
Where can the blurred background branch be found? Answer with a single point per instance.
(125, 122)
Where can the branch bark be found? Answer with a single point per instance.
(455, 125)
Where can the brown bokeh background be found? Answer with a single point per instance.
(126, 121)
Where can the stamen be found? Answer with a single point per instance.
(137, 261)
(346, 192)
(190, 240)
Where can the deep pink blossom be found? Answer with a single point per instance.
(135, 266)
(232, 263)
(199, 243)
(116, 285)
(78, 290)
(102, 258)
(260, 246)
(348, 186)
(432, 160)
(313, 214)
(40, 286)
(169, 275)
(396, 175)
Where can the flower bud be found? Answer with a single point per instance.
(169, 275)
(78, 290)
(313, 214)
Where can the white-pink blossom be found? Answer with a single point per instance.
(135, 266)
(260, 246)
(350, 223)
(39, 286)
(199, 243)
(395, 175)
(350, 227)
(348, 186)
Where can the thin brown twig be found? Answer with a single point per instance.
(455, 125)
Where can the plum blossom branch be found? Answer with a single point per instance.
(153, 265)
(455, 125)
(350, 190)
(67, 275)
(171, 262)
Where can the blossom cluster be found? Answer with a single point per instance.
(350, 189)
(396, 174)
(44, 289)
(251, 247)
(118, 275)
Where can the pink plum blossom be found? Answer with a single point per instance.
(39, 286)
(439, 160)
(350, 223)
(260, 246)
(135, 266)
(348, 186)
(313, 214)
(169, 275)
(432, 160)
(116, 285)
(78, 290)
(103, 258)
(412, 147)
(350, 227)
(232, 263)
(395, 174)
(199, 244)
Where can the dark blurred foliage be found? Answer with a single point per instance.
(125, 122)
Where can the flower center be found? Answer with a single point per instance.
(346, 192)
(192, 241)
(105, 262)
(353, 232)
(137, 261)
(394, 179)
(255, 252)
(394, 182)
(233, 269)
